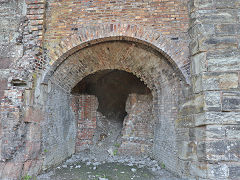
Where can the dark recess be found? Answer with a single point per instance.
(112, 88)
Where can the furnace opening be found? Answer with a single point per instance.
(112, 88)
(114, 107)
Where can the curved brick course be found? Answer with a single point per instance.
(93, 35)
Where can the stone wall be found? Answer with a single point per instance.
(215, 78)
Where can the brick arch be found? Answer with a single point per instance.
(88, 36)
(146, 63)
(151, 66)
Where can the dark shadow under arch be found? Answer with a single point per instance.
(112, 88)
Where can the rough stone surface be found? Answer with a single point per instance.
(186, 53)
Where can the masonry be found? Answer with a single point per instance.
(166, 73)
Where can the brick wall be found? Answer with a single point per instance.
(163, 24)
(63, 17)
(85, 108)
(138, 131)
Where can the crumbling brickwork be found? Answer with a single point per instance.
(86, 114)
(48, 46)
(137, 132)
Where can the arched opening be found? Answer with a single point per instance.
(126, 84)
(112, 88)
(123, 107)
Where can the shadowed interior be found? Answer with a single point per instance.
(112, 88)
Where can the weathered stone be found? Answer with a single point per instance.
(199, 169)
(195, 105)
(233, 132)
(234, 171)
(225, 150)
(200, 30)
(212, 43)
(227, 29)
(217, 118)
(199, 64)
(217, 16)
(215, 132)
(217, 81)
(33, 115)
(231, 101)
(218, 171)
(223, 4)
(5, 62)
(224, 64)
(212, 100)
(3, 86)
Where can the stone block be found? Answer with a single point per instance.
(231, 101)
(202, 3)
(195, 105)
(223, 150)
(3, 86)
(198, 169)
(224, 64)
(222, 53)
(28, 97)
(185, 121)
(212, 100)
(215, 132)
(225, 4)
(197, 134)
(199, 30)
(218, 171)
(227, 29)
(234, 170)
(194, 46)
(232, 132)
(187, 150)
(218, 81)
(197, 83)
(217, 118)
(201, 151)
(199, 63)
(216, 150)
(212, 43)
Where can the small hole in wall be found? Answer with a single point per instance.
(18, 83)
(174, 38)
